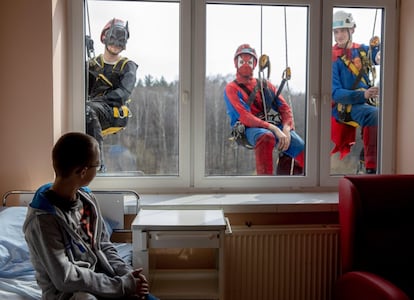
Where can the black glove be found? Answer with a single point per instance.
(98, 99)
(372, 101)
(89, 45)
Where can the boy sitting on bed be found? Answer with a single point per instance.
(68, 242)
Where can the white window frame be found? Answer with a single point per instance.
(192, 76)
(257, 183)
(386, 138)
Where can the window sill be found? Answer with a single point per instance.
(241, 203)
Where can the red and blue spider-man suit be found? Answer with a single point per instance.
(262, 135)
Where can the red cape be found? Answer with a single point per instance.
(343, 136)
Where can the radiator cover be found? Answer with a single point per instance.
(281, 262)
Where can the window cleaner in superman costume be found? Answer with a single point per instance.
(354, 98)
(245, 107)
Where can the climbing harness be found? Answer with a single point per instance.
(120, 114)
(238, 135)
(344, 110)
(363, 74)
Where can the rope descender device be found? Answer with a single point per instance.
(264, 62)
(286, 75)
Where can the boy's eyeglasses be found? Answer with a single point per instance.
(94, 166)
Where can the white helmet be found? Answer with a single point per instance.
(343, 19)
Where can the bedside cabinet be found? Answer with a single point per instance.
(163, 229)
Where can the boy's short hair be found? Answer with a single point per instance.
(73, 150)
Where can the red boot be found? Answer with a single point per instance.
(264, 154)
(369, 136)
(287, 166)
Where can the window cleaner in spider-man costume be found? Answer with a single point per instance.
(245, 107)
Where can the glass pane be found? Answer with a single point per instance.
(148, 144)
(356, 81)
(280, 32)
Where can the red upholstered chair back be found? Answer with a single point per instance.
(376, 214)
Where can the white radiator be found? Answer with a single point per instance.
(281, 262)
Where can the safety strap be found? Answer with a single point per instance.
(285, 77)
(118, 66)
(104, 82)
(358, 73)
(252, 94)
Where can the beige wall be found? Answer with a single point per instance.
(33, 84)
(26, 93)
(405, 111)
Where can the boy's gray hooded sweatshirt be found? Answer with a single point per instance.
(64, 263)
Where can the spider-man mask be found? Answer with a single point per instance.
(245, 64)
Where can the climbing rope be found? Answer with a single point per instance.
(287, 72)
(372, 76)
(264, 63)
(90, 51)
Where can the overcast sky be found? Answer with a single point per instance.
(154, 35)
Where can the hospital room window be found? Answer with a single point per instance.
(148, 144)
(277, 32)
(366, 25)
(180, 135)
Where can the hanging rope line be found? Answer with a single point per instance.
(286, 44)
(88, 38)
(263, 63)
(373, 42)
(287, 73)
(375, 22)
(285, 78)
(261, 29)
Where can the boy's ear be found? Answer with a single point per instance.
(81, 170)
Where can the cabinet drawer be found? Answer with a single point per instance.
(183, 239)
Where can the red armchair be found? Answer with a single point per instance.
(376, 214)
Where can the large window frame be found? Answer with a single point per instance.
(191, 176)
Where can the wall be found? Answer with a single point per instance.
(33, 38)
(405, 111)
(27, 93)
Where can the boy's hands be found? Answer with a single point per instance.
(141, 283)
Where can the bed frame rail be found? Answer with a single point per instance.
(23, 197)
